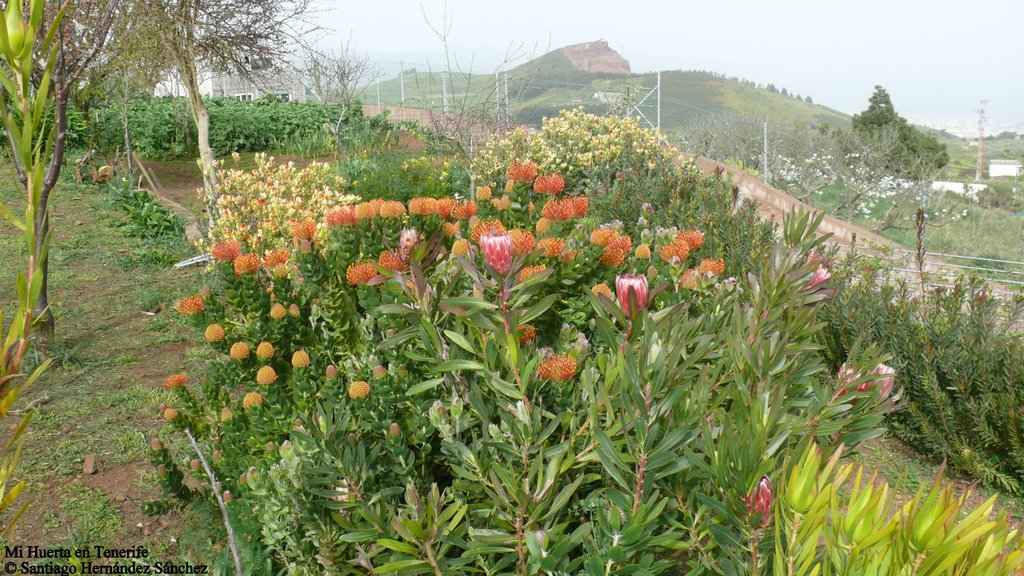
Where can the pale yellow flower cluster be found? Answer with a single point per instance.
(258, 207)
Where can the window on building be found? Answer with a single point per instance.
(244, 97)
(285, 97)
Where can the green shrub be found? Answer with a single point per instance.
(959, 361)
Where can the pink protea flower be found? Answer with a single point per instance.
(497, 250)
(637, 284)
(885, 384)
(760, 500)
(407, 242)
(821, 275)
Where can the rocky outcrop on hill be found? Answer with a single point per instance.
(596, 57)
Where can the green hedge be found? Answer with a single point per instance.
(959, 359)
(163, 128)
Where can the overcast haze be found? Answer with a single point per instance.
(937, 59)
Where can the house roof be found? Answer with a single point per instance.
(1004, 162)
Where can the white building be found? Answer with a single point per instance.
(997, 168)
(287, 84)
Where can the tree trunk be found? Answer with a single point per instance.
(42, 312)
(201, 115)
(127, 132)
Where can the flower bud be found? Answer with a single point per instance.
(631, 284)
(497, 251)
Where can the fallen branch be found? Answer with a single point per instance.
(220, 502)
(31, 405)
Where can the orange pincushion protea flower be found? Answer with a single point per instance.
(360, 273)
(543, 225)
(175, 381)
(601, 289)
(252, 400)
(171, 414)
(463, 210)
(280, 271)
(423, 206)
(693, 238)
(526, 333)
(266, 376)
(558, 368)
(523, 172)
(278, 311)
(558, 209)
(621, 242)
(674, 250)
(247, 264)
(688, 280)
(713, 266)
(602, 236)
(265, 350)
(192, 305)
(461, 247)
(523, 242)
(580, 205)
(342, 216)
(239, 351)
(390, 261)
(358, 389)
(214, 333)
(445, 207)
(483, 193)
(613, 255)
(549, 184)
(486, 227)
(305, 230)
(552, 247)
(366, 211)
(643, 252)
(226, 251)
(300, 359)
(392, 209)
(275, 258)
(452, 229)
(530, 271)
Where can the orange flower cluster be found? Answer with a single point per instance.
(523, 242)
(543, 225)
(558, 368)
(643, 252)
(175, 381)
(278, 312)
(693, 238)
(266, 376)
(563, 209)
(300, 359)
(452, 229)
(530, 271)
(461, 211)
(342, 216)
(368, 210)
(461, 247)
(549, 184)
(392, 209)
(445, 207)
(305, 230)
(615, 244)
(483, 193)
(423, 206)
(247, 264)
(524, 172)
(713, 266)
(359, 273)
(192, 305)
(265, 350)
(688, 280)
(552, 247)
(239, 351)
(358, 389)
(275, 258)
(390, 261)
(252, 400)
(674, 250)
(503, 203)
(601, 290)
(485, 227)
(226, 251)
(526, 333)
(214, 333)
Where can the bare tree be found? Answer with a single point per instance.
(337, 78)
(80, 38)
(244, 37)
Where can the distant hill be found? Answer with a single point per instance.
(594, 76)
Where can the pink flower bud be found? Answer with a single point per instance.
(630, 283)
(885, 384)
(407, 242)
(760, 500)
(497, 249)
(821, 275)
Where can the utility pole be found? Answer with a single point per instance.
(497, 97)
(378, 91)
(401, 82)
(981, 141)
(659, 104)
(506, 97)
(764, 154)
(444, 94)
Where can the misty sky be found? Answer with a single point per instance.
(936, 58)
